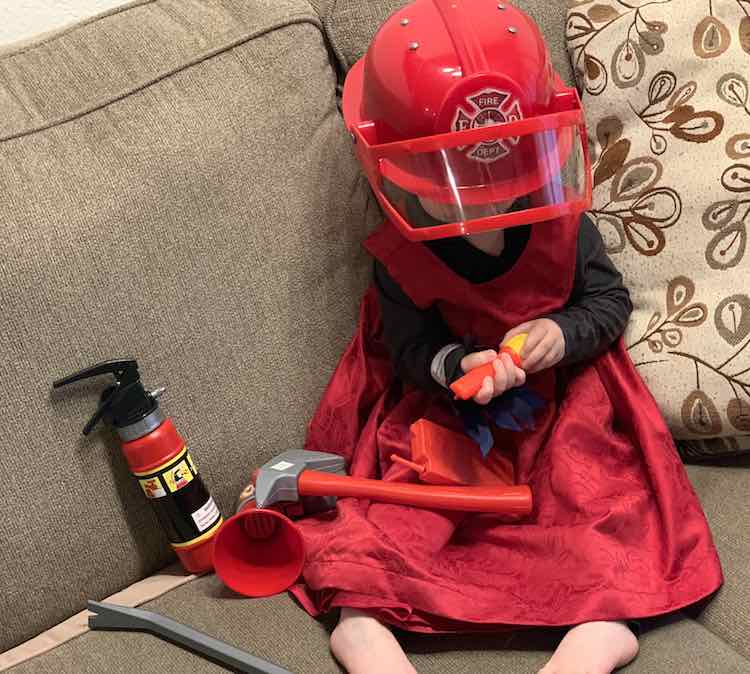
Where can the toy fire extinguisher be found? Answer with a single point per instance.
(159, 459)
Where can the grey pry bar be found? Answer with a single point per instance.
(114, 617)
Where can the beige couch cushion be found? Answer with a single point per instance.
(175, 184)
(724, 494)
(665, 87)
(278, 630)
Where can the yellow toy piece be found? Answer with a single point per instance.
(467, 386)
(513, 347)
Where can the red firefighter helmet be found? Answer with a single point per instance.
(456, 104)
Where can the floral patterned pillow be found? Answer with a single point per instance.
(665, 85)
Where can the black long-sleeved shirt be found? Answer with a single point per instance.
(593, 318)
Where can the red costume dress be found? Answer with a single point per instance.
(617, 531)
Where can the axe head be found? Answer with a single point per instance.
(276, 480)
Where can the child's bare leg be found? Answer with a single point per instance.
(365, 646)
(593, 648)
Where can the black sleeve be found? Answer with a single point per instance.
(599, 305)
(412, 335)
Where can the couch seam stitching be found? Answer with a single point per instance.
(64, 119)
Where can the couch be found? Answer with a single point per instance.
(176, 184)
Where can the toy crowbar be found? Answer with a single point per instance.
(113, 617)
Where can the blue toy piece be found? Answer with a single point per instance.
(477, 428)
(513, 411)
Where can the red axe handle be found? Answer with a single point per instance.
(506, 500)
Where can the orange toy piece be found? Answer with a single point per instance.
(443, 456)
(467, 386)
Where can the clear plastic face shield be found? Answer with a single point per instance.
(491, 177)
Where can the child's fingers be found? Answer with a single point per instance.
(532, 362)
(537, 332)
(514, 376)
(501, 375)
(542, 364)
(550, 359)
(474, 360)
(524, 327)
(484, 394)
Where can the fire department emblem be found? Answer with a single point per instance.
(487, 107)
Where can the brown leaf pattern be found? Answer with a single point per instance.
(733, 89)
(682, 95)
(738, 413)
(611, 161)
(601, 13)
(699, 414)
(729, 218)
(727, 247)
(613, 233)
(676, 71)
(652, 43)
(732, 318)
(711, 38)
(667, 111)
(696, 127)
(664, 333)
(736, 178)
(738, 146)
(635, 177)
(679, 293)
(628, 64)
(608, 131)
(638, 211)
(744, 34)
(681, 313)
(644, 38)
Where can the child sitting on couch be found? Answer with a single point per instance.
(477, 155)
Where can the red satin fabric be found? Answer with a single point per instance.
(616, 532)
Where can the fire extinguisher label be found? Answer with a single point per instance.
(206, 516)
(152, 487)
(178, 477)
(181, 501)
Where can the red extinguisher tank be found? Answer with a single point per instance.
(160, 461)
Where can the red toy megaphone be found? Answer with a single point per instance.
(259, 552)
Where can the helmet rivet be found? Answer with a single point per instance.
(501, 6)
(512, 29)
(404, 22)
(413, 46)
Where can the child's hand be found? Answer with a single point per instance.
(544, 347)
(507, 375)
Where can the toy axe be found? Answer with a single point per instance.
(260, 551)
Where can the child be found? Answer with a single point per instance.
(476, 153)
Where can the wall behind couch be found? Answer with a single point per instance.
(23, 19)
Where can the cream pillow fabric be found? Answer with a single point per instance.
(665, 88)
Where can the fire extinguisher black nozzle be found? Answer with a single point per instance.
(122, 403)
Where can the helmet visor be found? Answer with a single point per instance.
(467, 181)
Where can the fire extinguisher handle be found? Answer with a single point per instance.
(125, 371)
(126, 391)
